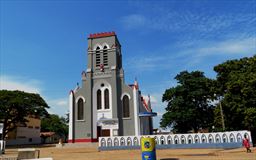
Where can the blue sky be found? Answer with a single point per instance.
(43, 43)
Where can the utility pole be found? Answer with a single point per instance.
(222, 117)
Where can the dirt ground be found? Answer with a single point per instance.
(91, 153)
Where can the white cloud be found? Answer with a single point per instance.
(57, 106)
(133, 21)
(149, 63)
(233, 46)
(191, 54)
(63, 102)
(169, 19)
(20, 83)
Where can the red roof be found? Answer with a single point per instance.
(102, 34)
(47, 134)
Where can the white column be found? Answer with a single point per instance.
(94, 113)
(136, 111)
(70, 131)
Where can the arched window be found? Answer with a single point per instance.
(99, 99)
(116, 142)
(156, 140)
(210, 139)
(105, 56)
(135, 141)
(162, 140)
(239, 137)
(196, 139)
(122, 142)
(129, 141)
(183, 139)
(232, 137)
(97, 56)
(169, 140)
(176, 139)
(126, 110)
(217, 138)
(224, 138)
(203, 139)
(109, 142)
(103, 143)
(106, 98)
(80, 109)
(190, 139)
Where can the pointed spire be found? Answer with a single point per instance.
(136, 85)
(149, 103)
(77, 87)
(148, 99)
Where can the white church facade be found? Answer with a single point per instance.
(104, 105)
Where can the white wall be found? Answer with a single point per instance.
(216, 137)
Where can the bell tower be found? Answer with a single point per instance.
(105, 67)
(104, 52)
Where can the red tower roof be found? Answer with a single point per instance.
(102, 34)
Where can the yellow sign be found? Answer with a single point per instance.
(147, 144)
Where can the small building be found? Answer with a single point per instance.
(28, 133)
(50, 137)
(104, 105)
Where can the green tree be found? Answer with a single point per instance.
(54, 123)
(189, 103)
(15, 106)
(236, 81)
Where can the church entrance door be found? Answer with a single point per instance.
(105, 132)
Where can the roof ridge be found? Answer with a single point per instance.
(102, 34)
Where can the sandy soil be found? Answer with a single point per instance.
(91, 153)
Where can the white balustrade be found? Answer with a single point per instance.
(190, 138)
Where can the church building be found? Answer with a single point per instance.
(104, 105)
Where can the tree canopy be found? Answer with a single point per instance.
(236, 81)
(189, 106)
(15, 106)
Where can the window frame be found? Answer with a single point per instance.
(105, 56)
(80, 101)
(127, 99)
(97, 57)
(99, 99)
(106, 99)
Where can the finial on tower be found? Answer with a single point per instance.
(136, 85)
(77, 87)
